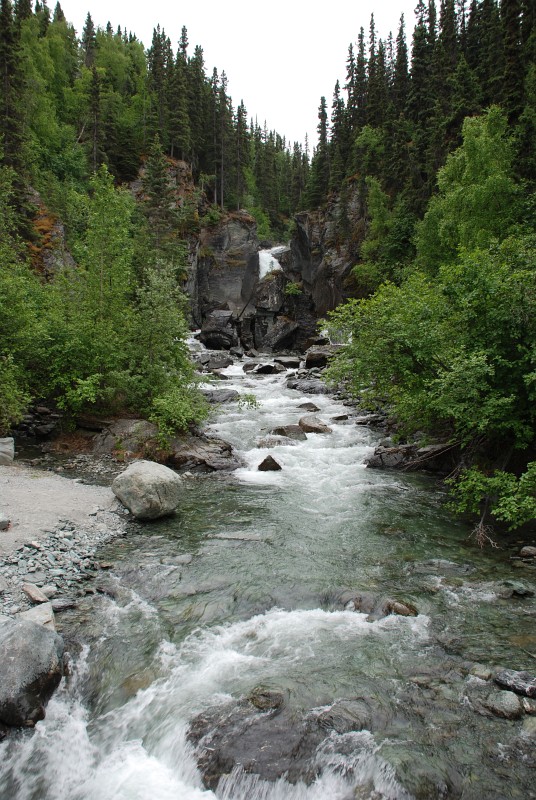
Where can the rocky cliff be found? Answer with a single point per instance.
(236, 301)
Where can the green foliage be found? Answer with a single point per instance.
(513, 499)
(248, 400)
(453, 354)
(176, 410)
(293, 289)
(13, 398)
(478, 197)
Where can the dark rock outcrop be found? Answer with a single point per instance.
(31, 667)
(438, 458)
(218, 331)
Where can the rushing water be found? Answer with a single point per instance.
(244, 588)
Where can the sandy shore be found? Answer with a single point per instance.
(36, 502)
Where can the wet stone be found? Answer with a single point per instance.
(523, 683)
(269, 465)
(503, 704)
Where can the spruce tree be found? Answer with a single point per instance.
(89, 41)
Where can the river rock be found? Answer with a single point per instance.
(290, 431)
(249, 366)
(523, 683)
(128, 437)
(390, 457)
(35, 594)
(269, 743)
(274, 441)
(269, 465)
(319, 356)
(289, 362)
(218, 396)
(528, 552)
(202, 454)
(514, 589)
(31, 667)
(308, 385)
(42, 614)
(269, 369)
(309, 407)
(503, 704)
(7, 451)
(4, 521)
(219, 362)
(312, 424)
(149, 490)
(266, 699)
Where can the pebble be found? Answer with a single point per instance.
(58, 564)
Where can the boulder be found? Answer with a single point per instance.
(148, 490)
(390, 457)
(274, 441)
(269, 369)
(42, 614)
(128, 437)
(269, 465)
(309, 407)
(4, 521)
(218, 332)
(312, 424)
(308, 385)
(216, 396)
(290, 431)
(289, 362)
(528, 552)
(7, 451)
(319, 356)
(201, 454)
(219, 362)
(31, 667)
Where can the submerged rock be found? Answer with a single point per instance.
(31, 667)
(149, 490)
(503, 704)
(523, 683)
(290, 431)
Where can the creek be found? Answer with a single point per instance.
(246, 588)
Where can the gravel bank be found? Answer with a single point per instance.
(56, 526)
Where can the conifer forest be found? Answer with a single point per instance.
(432, 128)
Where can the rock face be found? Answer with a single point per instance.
(218, 332)
(148, 490)
(31, 667)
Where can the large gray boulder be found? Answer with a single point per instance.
(310, 423)
(7, 450)
(31, 667)
(149, 490)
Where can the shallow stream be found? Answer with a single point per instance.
(247, 588)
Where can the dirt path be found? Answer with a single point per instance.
(35, 501)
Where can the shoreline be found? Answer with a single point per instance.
(57, 524)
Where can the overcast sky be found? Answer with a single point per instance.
(280, 57)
